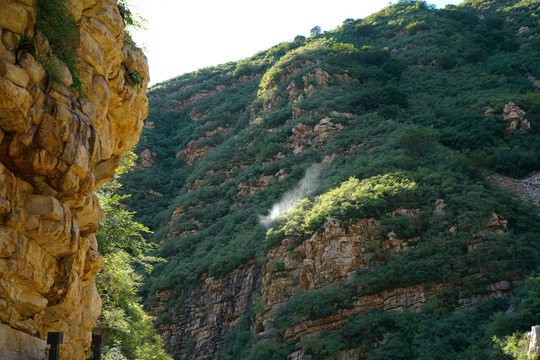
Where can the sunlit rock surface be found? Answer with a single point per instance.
(56, 149)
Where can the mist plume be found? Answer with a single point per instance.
(307, 184)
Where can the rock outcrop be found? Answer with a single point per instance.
(321, 79)
(324, 129)
(533, 342)
(197, 96)
(193, 152)
(300, 139)
(205, 316)
(329, 257)
(196, 149)
(57, 147)
(147, 159)
(209, 313)
(515, 118)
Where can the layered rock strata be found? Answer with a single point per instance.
(329, 257)
(206, 315)
(203, 318)
(57, 147)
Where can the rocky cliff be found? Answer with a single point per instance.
(201, 320)
(57, 147)
(205, 316)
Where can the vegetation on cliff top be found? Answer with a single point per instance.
(400, 109)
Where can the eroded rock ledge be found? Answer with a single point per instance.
(56, 149)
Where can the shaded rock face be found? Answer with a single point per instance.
(56, 149)
(209, 313)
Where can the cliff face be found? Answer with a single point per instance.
(207, 315)
(202, 319)
(57, 147)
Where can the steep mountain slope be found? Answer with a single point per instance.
(381, 134)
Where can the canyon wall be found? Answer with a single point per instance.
(202, 319)
(205, 316)
(57, 147)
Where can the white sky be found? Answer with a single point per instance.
(183, 36)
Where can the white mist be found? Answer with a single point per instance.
(307, 184)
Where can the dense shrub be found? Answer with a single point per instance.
(55, 20)
(315, 304)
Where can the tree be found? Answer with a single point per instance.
(299, 38)
(416, 142)
(316, 30)
(128, 330)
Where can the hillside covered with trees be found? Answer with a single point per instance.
(393, 128)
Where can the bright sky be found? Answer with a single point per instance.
(184, 36)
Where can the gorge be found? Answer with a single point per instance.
(369, 192)
(408, 246)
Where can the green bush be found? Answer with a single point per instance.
(475, 55)
(355, 198)
(315, 304)
(55, 21)
(237, 343)
(448, 61)
(516, 162)
(268, 350)
(417, 142)
(326, 346)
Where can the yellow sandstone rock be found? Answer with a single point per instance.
(56, 149)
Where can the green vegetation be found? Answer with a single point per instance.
(129, 331)
(406, 90)
(55, 20)
(491, 329)
(352, 199)
(58, 27)
(314, 305)
(132, 20)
